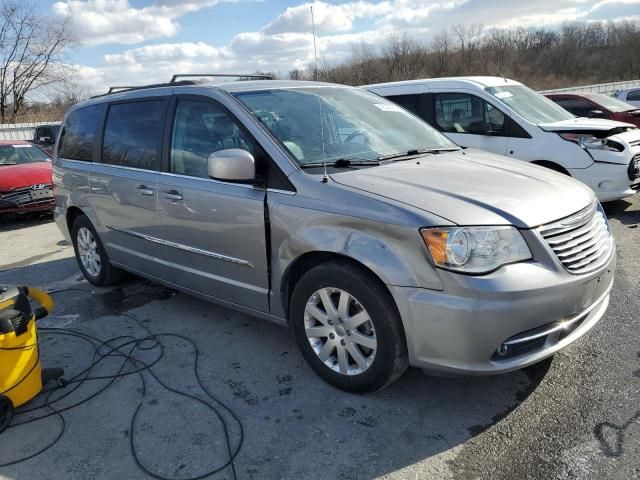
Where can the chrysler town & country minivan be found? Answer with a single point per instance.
(378, 241)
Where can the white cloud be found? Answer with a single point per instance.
(286, 42)
(116, 21)
(327, 17)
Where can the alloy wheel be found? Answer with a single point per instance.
(89, 252)
(340, 331)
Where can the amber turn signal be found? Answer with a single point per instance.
(436, 241)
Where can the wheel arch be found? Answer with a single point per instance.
(556, 167)
(73, 213)
(308, 260)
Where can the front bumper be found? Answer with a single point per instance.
(463, 329)
(27, 199)
(608, 181)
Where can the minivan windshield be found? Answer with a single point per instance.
(328, 124)
(610, 103)
(530, 105)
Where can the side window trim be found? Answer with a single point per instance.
(103, 123)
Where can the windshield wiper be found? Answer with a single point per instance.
(340, 163)
(416, 151)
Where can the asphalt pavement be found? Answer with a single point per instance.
(206, 382)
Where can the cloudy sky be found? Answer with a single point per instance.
(141, 41)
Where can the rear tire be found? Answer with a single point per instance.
(91, 256)
(348, 328)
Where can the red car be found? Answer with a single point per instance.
(25, 178)
(597, 105)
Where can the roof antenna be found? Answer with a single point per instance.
(315, 50)
(503, 77)
(325, 176)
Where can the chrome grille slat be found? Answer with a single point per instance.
(581, 242)
(580, 247)
(561, 238)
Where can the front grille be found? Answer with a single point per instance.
(582, 242)
(634, 167)
(26, 197)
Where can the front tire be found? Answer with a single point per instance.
(348, 328)
(91, 255)
(6, 412)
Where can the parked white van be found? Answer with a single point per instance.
(506, 117)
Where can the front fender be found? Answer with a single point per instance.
(395, 254)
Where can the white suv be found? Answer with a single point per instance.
(505, 117)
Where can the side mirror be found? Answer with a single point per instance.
(232, 164)
(46, 141)
(597, 114)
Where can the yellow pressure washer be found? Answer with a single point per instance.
(21, 374)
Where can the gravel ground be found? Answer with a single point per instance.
(575, 417)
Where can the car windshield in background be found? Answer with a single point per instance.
(532, 106)
(21, 154)
(327, 124)
(610, 103)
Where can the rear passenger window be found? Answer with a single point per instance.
(464, 113)
(78, 133)
(200, 129)
(133, 134)
(410, 102)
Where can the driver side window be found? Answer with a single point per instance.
(465, 113)
(201, 128)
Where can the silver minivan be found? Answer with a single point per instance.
(379, 242)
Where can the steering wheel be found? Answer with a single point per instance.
(356, 134)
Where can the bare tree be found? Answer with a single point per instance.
(31, 54)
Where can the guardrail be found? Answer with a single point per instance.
(606, 88)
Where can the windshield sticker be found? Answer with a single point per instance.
(503, 95)
(388, 108)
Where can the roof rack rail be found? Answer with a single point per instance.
(225, 75)
(116, 89)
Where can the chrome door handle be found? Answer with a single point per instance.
(172, 195)
(144, 190)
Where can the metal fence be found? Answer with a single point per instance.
(606, 88)
(20, 131)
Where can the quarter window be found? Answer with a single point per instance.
(133, 134)
(200, 129)
(78, 133)
(633, 95)
(464, 113)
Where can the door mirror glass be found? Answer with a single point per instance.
(46, 140)
(232, 164)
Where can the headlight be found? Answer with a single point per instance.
(475, 249)
(586, 140)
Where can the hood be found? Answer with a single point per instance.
(474, 188)
(585, 124)
(16, 176)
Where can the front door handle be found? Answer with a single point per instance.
(144, 190)
(173, 195)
